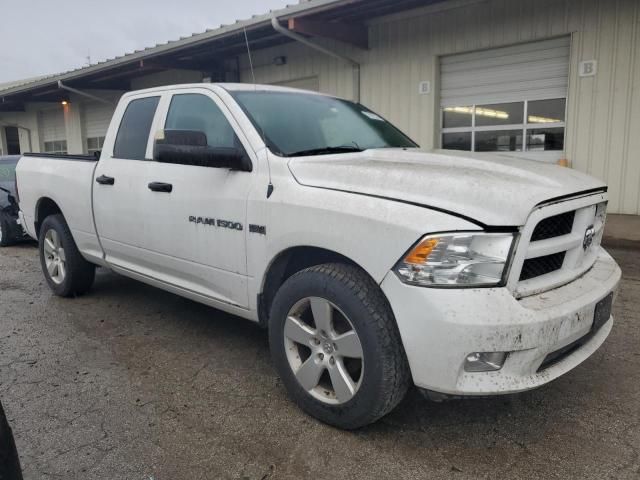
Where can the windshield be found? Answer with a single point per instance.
(295, 123)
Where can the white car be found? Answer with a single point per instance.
(374, 264)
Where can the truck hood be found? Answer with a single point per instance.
(491, 189)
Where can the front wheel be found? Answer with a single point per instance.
(66, 271)
(336, 346)
(10, 464)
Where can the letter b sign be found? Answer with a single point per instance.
(588, 68)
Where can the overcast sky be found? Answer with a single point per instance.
(44, 36)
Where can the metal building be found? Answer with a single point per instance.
(552, 80)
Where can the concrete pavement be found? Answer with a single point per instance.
(130, 382)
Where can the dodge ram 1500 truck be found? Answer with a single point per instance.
(374, 264)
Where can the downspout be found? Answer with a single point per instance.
(299, 38)
(84, 94)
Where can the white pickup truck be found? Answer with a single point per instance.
(372, 263)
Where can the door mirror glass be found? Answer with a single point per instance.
(190, 147)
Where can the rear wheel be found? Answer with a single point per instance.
(336, 346)
(65, 270)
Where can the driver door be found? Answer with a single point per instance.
(195, 227)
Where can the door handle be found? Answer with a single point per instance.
(104, 180)
(160, 187)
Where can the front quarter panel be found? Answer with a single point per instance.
(372, 232)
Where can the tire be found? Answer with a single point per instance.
(6, 238)
(9, 460)
(75, 276)
(379, 379)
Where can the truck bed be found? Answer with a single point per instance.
(65, 181)
(56, 156)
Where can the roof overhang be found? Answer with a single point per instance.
(343, 20)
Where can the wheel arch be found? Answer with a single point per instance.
(45, 207)
(288, 262)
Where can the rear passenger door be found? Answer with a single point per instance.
(120, 189)
(196, 233)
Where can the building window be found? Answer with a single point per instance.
(94, 145)
(530, 125)
(56, 146)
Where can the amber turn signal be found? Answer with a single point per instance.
(421, 251)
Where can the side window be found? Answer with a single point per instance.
(133, 134)
(193, 111)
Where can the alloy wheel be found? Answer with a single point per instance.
(54, 257)
(324, 350)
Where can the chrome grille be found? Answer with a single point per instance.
(555, 226)
(534, 267)
(559, 243)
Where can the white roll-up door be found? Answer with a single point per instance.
(96, 119)
(52, 123)
(531, 71)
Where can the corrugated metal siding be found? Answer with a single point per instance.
(52, 122)
(96, 118)
(603, 111)
(604, 118)
(309, 83)
(333, 76)
(167, 77)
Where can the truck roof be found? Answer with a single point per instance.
(231, 87)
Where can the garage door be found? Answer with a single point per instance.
(54, 135)
(96, 120)
(308, 83)
(506, 99)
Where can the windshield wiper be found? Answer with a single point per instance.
(323, 150)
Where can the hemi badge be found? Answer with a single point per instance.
(261, 229)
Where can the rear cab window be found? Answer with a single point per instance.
(135, 127)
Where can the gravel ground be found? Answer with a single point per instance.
(130, 382)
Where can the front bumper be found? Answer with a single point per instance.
(440, 327)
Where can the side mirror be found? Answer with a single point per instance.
(189, 147)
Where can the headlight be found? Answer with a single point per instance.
(451, 259)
